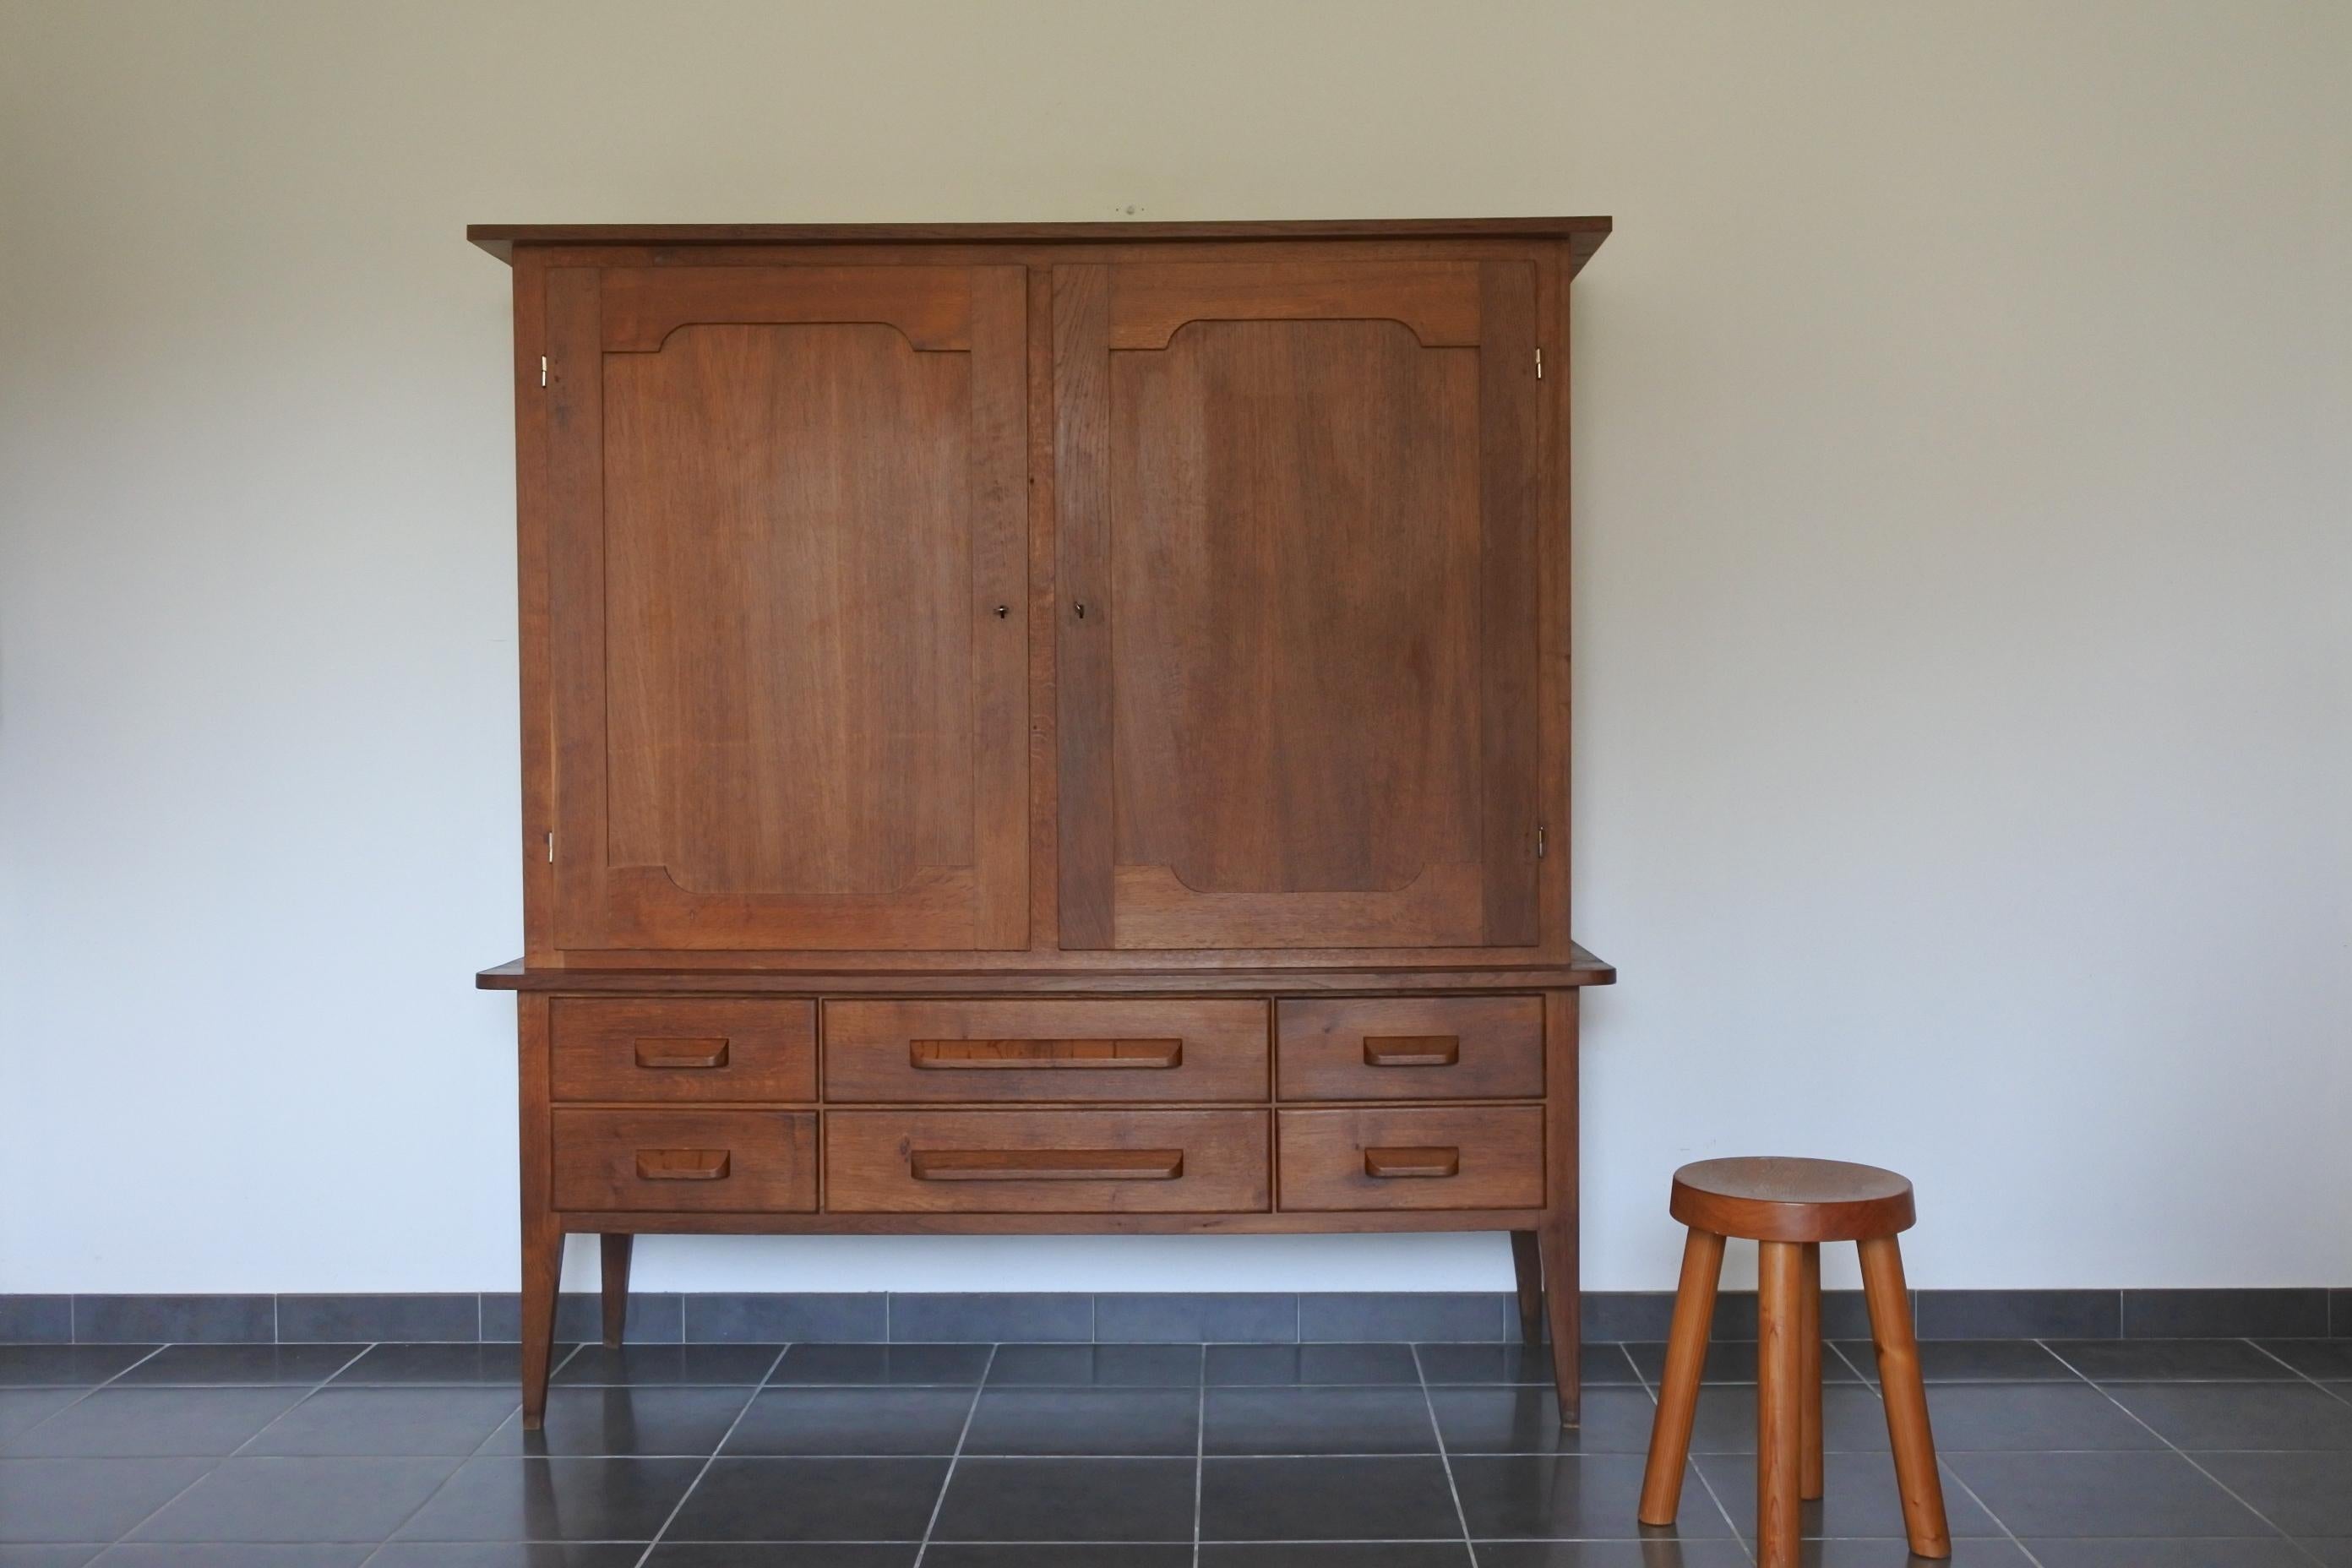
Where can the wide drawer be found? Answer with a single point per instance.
(676, 1160)
(1385, 1157)
(1046, 1162)
(1052, 1050)
(696, 1049)
(1411, 1048)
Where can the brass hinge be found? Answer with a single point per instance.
(1538, 364)
(550, 848)
(542, 367)
(1539, 843)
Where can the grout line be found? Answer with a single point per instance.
(679, 1507)
(1437, 1434)
(2175, 1447)
(940, 1502)
(1200, 1454)
(2298, 1372)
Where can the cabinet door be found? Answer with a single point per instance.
(1298, 631)
(786, 573)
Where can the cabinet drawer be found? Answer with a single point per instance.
(761, 1161)
(1412, 1047)
(693, 1048)
(1016, 1050)
(1483, 1157)
(1046, 1162)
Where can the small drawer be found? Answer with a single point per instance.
(1054, 1050)
(1412, 1047)
(1046, 1162)
(762, 1161)
(697, 1049)
(1412, 1157)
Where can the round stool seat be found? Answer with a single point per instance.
(1776, 1199)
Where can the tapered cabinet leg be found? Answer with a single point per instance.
(1780, 1400)
(616, 1249)
(1907, 1398)
(542, 1267)
(1809, 1347)
(1662, 1482)
(1526, 1258)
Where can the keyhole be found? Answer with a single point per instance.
(1082, 611)
(1002, 611)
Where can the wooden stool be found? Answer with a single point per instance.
(1791, 1206)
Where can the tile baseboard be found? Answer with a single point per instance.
(1137, 1317)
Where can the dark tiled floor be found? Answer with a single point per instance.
(2077, 1454)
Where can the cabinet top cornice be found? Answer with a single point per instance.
(1584, 234)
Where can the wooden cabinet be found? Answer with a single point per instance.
(1046, 728)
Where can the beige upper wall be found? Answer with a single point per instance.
(1964, 637)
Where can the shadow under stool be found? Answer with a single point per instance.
(1789, 1208)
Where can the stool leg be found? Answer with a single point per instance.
(1662, 1481)
(1779, 1400)
(1808, 1346)
(1907, 1398)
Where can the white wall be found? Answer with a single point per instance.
(1964, 508)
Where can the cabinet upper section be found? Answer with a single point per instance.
(1046, 596)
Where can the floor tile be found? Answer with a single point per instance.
(131, 1423)
(1097, 1366)
(1987, 1552)
(21, 1408)
(852, 1421)
(1666, 1551)
(1233, 1366)
(1486, 1363)
(501, 1499)
(2019, 1314)
(87, 1500)
(2302, 1494)
(46, 1366)
(2312, 1358)
(1968, 1361)
(639, 1366)
(1526, 1421)
(14, 1556)
(2030, 1415)
(2335, 1552)
(203, 1366)
(1318, 1419)
(817, 1554)
(2273, 1552)
(446, 1422)
(1077, 1421)
(1859, 1499)
(624, 1423)
(243, 1554)
(1571, 1495)
(852, 1364)
(1064, 1499)
(2239, 1415)
(1132, 1554)
(2166, 1361)
(1853, 1421)
(273, 1500)
(500, 1365)
(1327, 1500)
(2100, 1494)
(811, 1499)
(1343, 1554)
(1730, 1360)
(506, 1555)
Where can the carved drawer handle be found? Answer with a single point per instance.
(656, 1053)
(682, 1164)
(1048, 1164)
(1389, 1164)
(1088, 1055)
(1411, 1050)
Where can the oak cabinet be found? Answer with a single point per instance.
(1046, 728)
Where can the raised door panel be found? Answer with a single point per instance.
(787, 535)
(1298, 659)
